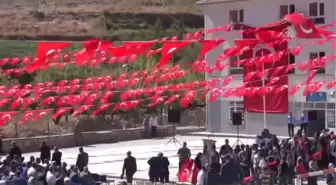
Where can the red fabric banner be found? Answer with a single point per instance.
(185, 170)
(274, 103)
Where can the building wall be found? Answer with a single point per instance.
(258, 13)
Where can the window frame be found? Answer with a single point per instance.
(240, 18)
(290, 61)
(318, 54)
(319, 18)
(290, 9)
(236, 106)
(236, 70)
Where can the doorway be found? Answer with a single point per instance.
(316, 121)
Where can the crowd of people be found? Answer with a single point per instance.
(47, 169)
(269, 161)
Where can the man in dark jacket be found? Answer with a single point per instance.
(154, 169)
(130, 167)
(57, 156)
(82, 159)
(164, 168)
(15, 150)
(211, 175)
(183, 153)
(230, 171)
(44, 152)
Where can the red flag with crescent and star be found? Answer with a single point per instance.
(186, 170)
(274, 103)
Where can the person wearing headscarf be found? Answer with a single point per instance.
(312, 180)
(197, 168)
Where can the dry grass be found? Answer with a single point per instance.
(76, 17)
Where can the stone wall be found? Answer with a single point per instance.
(32, 144)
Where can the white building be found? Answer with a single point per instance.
(258, 13)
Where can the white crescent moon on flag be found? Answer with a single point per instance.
(171, 50)
(306, 31)
(265, 47)
(6, 117)
(29, 114)
(20, 101)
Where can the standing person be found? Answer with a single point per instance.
(153, 123)
(183, 153)
(57, 156)
(312, 180)
(15, 150)
(44, 152)
(82, 159)
(331, 178)
(129, 167)
(154, 169)
(51, 177)
(197, 168)
(164, 168)
(304, 122)
(290, 125)
(284, 171)
(214, 159)
(230, 172)
(332, 149)
(146, 126)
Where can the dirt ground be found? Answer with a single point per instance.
(82, 17)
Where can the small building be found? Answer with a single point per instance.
(320, 106)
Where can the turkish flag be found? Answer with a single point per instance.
(60, 112)
(315, 156)
(45, 50)
(208, 45)
(168, 50)
(81, 109)
(185, 171)
(40, 113)
(102, 108)
(27, 116)
(247, 179)
(274, 103)
(6, 116)
(304, 26)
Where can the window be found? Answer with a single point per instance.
(316, 12)
(314, 55)
(236, 69)
(236, 17)
(286, 9)
(291, 60)
(236, 106)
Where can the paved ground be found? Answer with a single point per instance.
(108, 158)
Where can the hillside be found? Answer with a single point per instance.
(80, 19)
